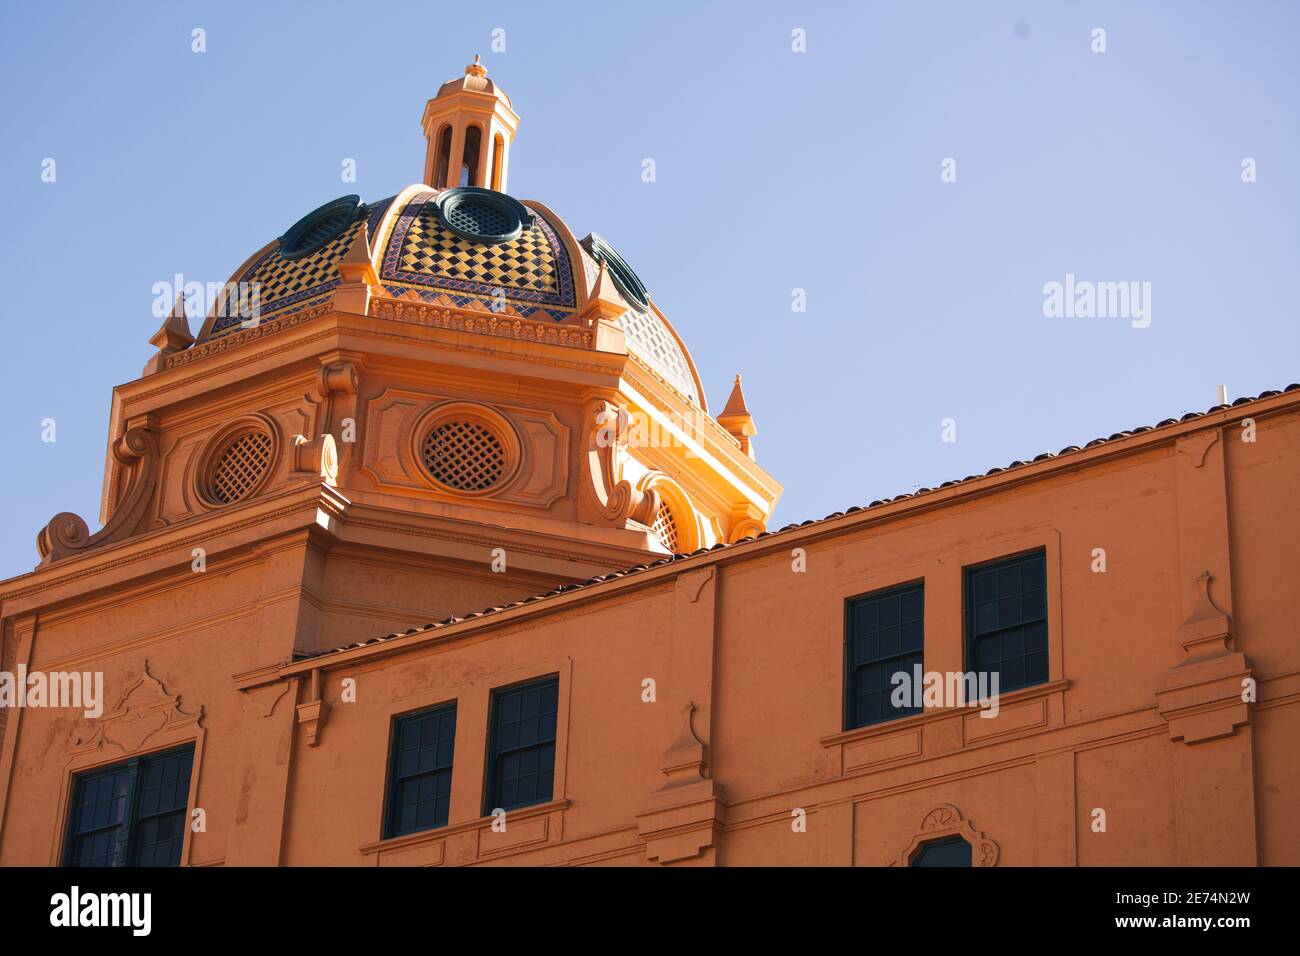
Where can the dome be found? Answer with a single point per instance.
(465, 248)
(475, 80)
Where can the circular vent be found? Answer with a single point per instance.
(464, 455)
(484, 215)
(665, 527)
(318, 227)
(480, 219)
(240, 466)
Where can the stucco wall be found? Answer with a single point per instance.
(746, 656)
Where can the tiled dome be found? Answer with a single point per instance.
(464, 248)
(424, 256)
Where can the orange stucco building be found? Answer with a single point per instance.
(447, 407)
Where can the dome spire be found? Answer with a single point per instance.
(469, 126)
(735, 418)
(172, 336)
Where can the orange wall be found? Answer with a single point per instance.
(757, 648)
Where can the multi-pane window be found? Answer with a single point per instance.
(884, 635)
(419, 771)
(521, 745)
(132, 813)
(1006, 620)
(950, 851)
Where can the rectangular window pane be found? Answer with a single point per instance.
(1006, 620)
(133, 813)
(886, 636)
(521, 745)
(419, 776)
(164, 785)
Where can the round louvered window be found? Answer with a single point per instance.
(464, 454)
(665, 527)
(629, 283)
(484, 215)
(479, 218)
(318, 227)
(240, 466)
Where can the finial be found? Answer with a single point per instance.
(357, 273)
(737, 420)
(735, 407)
(174, 334)
(604, 301)
(476, 68)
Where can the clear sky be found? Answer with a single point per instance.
(775, 170)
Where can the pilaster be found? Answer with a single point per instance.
(1204, 696)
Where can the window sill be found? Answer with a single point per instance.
(916, 721)
(409, 840)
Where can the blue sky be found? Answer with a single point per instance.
(776, 171)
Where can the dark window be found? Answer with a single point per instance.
(884, 634)
(131, 814)
(419, 771)
(1006, 620)
(950, 851)
(442, 160)
(521, 745)
(469, 164)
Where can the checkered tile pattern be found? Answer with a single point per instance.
(649, 339)
(377, 211)
(282, 283)
(424, 253)
(472, 302)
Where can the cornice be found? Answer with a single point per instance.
(704, 427)
(559, 350)
(492, 532)
(200, 529)
(834, 525)
(204, 529)
(236, 339)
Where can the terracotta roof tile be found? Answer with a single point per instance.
(636, 569)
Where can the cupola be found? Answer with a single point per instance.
(469, 126)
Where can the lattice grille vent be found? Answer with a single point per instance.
(240, 467)
(464, 455)
(665, 527)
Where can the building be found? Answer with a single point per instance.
(446, 407)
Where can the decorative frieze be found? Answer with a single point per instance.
(509, 327)
(236, 339)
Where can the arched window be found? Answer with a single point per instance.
(498, 148)
(469, 165)
(665, 527)
(950, 851)
(667, 512)
(443, 163)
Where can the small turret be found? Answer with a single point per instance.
(469, 126)
(735, 418)
(172, 336)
